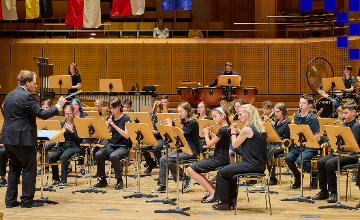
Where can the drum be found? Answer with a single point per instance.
(211, 95)
(189, 95)
(329, 107)
(246, 93)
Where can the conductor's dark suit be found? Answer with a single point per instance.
(19, 134)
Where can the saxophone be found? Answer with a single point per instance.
(271, 115)
(229, 108)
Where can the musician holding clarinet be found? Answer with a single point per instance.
(19, 134)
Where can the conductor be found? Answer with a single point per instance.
(19, 133)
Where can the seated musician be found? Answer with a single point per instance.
(304, 117)
(225, 101)
(128, 105)
(268, 111)
(66, 149)
(235, 108)
(220, 158)
(119, 146)
(202, 110)
(253, 138)
(79, 111)
(281, 126)
(191, 132)
(237, 104)
(228, 71)
(156, 150)
(99, 106)
(165, 102)
(327, 165)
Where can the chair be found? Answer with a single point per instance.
(146, 29)
(117, 18)
(185, 163)
(203, 26)
(113, 29)
(126, 160)
(150, 6)
(168, 16)
(183, 16)
(27, 29)
(10, 29)
(349, 168)
(44, 30)
(183, 26)
(323, 144)
(256, 176)
(169, 26)
(150, 16)
(129, 30)
(216, 30)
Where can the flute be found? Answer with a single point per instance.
(164, 121)
(206, 126)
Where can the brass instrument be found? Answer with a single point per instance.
(164, 121)
(339, 120)
(206, 126)
(319, 113)
(157, 103)
(293, 119)
(287, 144)
(228, 109)
(272, 113)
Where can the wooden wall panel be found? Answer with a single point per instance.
(91, 60)
(187, 65)
(284, 68)
(22, 55)
(122, 63)
(310, 51)
(215, 57)
(61, 55)
(253, 64)
(6, 77)
(155, 61)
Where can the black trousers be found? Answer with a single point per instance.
(63, 154)
(114, 154)
(3, 161)
(327, 167)
(156, 151)
(271, 168)
(22, 159)
(225, 189)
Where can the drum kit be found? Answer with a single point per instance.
(211, 95)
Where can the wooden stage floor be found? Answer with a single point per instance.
(90, 205)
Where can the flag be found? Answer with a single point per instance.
(92, 13)
(171, 5)
(1, 17)
(32, 9)
(137, 7)
(46, 8)
(127, 7)
(9, 9)
(75, 13)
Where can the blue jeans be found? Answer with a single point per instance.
(294, 155)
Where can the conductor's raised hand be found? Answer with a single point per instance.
(61, 101)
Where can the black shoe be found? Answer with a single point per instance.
(161, 189)
(205, 197)
(119, 184)
(101, 184)
(146, 165)
(149, 169)
(321, 195)
(16, 204)
(209, 201)
(297, 182)
(273, 181)
(31, 204)
(3, 182)
(62, 185)
(354, 177)
(222, 206)
(187, 182)
(358, 205)
(332, 198)
(55, 183)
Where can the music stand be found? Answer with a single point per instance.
(180, 142)
(331, 84)
(58, 81)
(142, 133)
(207, 123)
(305, 136)
(228, 81)
(167, 134)
(325, 121)
(46, 136)
(91, 128)
(343, 138)
(140, 117)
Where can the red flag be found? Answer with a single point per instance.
(121, 8)
(1, 17)
(75, 12)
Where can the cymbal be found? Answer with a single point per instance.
(316, 74)
(184, 82)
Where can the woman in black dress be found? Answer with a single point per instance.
(253, 140)
(221, 141)
(74, 72)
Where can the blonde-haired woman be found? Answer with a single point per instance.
(253, 140)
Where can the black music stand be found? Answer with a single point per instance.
(343, 138)
(180, 143)
(143, 135)
(58, 81)
(167, 134)
(228, 81)
(91, 128)
(43, 136)
(305, 136)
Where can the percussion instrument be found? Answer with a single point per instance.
(211, 95)
(189, 95)
(329, 106)
(246, 93)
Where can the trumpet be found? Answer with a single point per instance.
(164, 121)
(272, 113)
(206, 126)
(319, 113)
(339, 120)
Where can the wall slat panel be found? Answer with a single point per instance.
(253, 65)
(7, 79)
(122, 63)
(215, 57)
(187, 65)
(155, 61)
(284, 67)
(91, 60)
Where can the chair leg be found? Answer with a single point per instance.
(311, 169)
(268, 192)
(237, 191)
(265, 194)
(279, 164)
(126, 171)
(347, 182)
